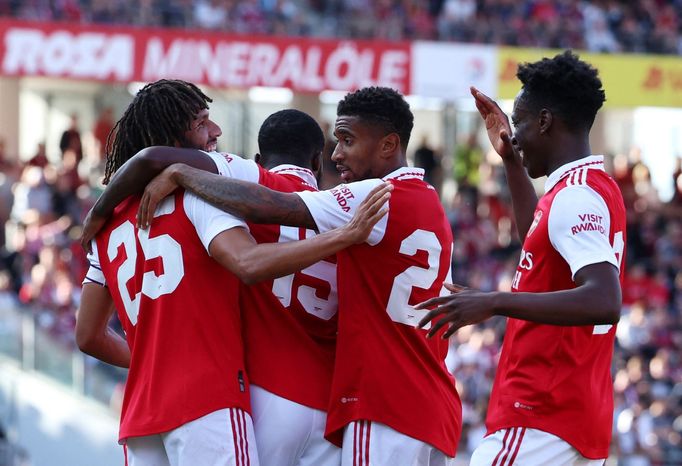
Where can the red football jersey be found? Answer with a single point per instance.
(290, 323)
(386, 370)
(558, 379)
(179, 309)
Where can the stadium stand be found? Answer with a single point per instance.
(642, 26)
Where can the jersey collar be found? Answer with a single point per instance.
(303, 173)
(590, 162)
(405, 173)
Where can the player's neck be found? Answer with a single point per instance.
(567, 151)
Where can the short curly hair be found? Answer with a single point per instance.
(290, 134)
(566, 85)
(381, 106)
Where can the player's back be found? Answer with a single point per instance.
(179, 309)
(386, 369)
(290, 323)
(557, 389)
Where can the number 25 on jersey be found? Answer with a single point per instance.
(163, 246)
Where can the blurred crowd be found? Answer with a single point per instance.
(42, 204)
(651, 26)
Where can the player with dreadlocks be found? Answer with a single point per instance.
(186, 399)
(157, 116)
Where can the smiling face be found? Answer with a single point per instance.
(357, 154)
(203, 133)
(529, 126)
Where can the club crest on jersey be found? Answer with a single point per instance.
(342, 194)
(536, 220)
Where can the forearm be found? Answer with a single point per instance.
(137, 172)
(250, 201)
(109, 347)
(524, 198)
(584, 305)
(271, 260)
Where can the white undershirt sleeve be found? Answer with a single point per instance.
(335, 207)
(579, 224)
(234, 166)
(95, 274)
(208, 220)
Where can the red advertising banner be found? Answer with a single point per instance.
(118, 54)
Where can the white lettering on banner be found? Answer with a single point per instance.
(62, 53)
(241, 64)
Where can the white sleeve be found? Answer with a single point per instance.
(579, 224)
(234, 166)
(95, 274)
(209, 221)
(335, 207)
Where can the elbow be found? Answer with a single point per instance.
(86, 341)
(249, 273)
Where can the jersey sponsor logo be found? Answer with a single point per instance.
(536, 220)
(342, 195)
(590, 222)
(228, 157)
(349, 399)
(520, 405)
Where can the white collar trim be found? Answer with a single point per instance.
(595, 162)
(303, 173)
(405, 173)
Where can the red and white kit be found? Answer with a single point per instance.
(386, 370)
(290, 326)
(551, 378)
(179, 309)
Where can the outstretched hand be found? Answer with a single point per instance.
(157, 189)
(461, 308)
(496, 123)
(370, 211)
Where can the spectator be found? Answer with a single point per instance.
(71, 140)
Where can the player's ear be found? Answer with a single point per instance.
(316, 162)
(257, 158)
(390, 144)
(545, 120)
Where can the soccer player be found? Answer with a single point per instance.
(393, 400)
(186, 400)
(552, 400)
(290, 323)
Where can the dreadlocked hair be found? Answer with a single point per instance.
(158, 116)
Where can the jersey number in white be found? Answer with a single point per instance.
(283, 287)
(162, 246)
(398, 307)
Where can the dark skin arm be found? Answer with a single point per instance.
(596, 300)
(93, 335)
(524, 198)
(249, 201)
(131, 179)
(236, 250)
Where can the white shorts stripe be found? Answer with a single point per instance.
(246, 439)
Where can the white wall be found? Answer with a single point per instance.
(55, 426)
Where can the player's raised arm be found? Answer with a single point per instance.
(524, 198)
(241, 198)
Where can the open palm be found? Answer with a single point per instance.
(496, 123)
